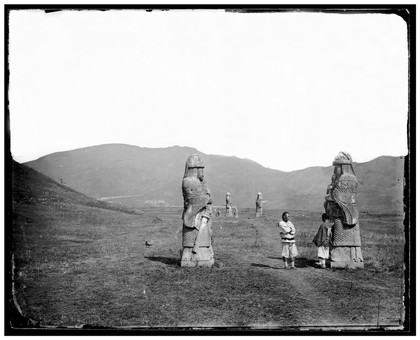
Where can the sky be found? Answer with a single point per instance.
(287, 90)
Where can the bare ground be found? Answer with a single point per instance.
(80, 266)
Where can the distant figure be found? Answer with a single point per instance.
(217, 212)
(287, 234)
(228, 205)
(258, 205)
(235, 212)
(340, 205)
(322, 241)
(196, 231)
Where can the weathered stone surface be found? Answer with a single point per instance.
(235, 212)
(346, 257)
(196, 231)
(340, 205)
(204, 257)
(258, 205)
(229, 212)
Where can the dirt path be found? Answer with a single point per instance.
(322, 310)
(110, 198)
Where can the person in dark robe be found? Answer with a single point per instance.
(322, 241)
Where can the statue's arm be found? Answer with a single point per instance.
(184, 196)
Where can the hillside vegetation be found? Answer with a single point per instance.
(31, 188)
(133, 175)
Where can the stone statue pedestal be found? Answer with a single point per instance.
(203, 257)
(346, 257)
(229, 212)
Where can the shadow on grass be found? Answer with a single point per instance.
(300, 262)
(166, 260)
(263, 266)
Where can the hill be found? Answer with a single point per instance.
(76, 264)
(33, 188)
(137, 176)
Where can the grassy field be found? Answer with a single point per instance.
(84, 266)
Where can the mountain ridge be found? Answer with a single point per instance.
(155, 174)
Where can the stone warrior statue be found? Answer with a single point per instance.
(258, 205)
(340, 205)
(196, 232)
(229, 212)
(235, 211)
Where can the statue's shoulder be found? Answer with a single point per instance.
(347, 182)
(192, 187)
(191, 182)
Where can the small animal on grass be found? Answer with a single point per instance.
(149, 243)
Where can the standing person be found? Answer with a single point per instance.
(322, 241)
(287, 234)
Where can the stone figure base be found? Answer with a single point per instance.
(258, 214)
(346, 257)
(235, 212)
(229, 212)
(204, 257)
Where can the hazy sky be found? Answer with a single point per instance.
(287, 90)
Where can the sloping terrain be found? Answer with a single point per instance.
(78, 265)
(134, 176)
(31, 187)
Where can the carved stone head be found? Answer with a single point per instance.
(343, 163)
(342, 158)
(194, 161)
(194, 167)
